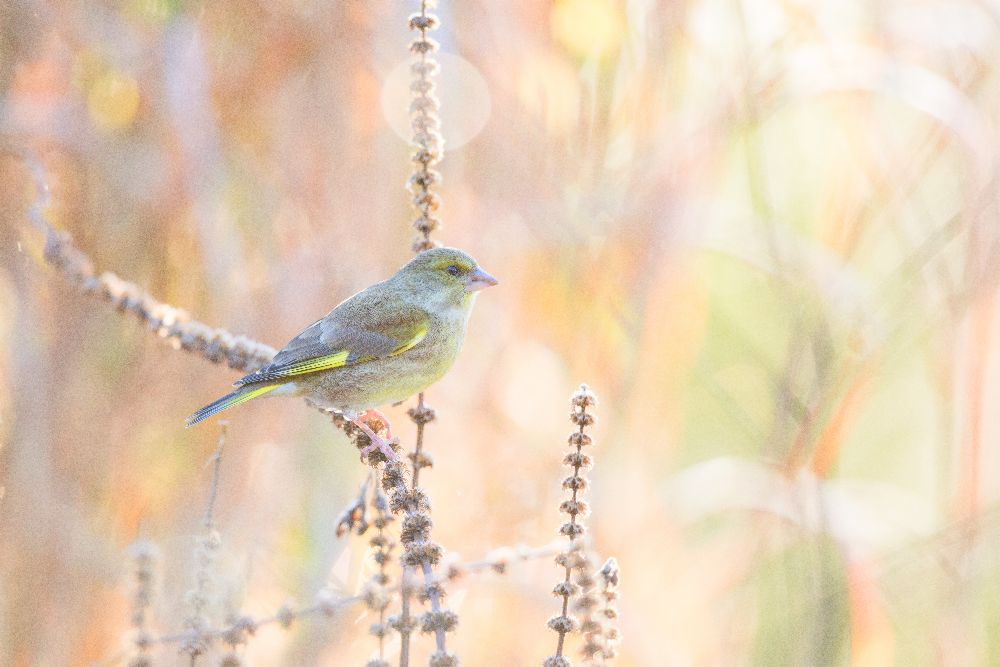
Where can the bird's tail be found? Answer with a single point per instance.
(241, 395)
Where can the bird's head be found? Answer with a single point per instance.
(445, 273)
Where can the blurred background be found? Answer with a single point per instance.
(763, 231)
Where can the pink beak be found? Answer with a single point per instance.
(479, 279)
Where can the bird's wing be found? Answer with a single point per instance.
(356, 331)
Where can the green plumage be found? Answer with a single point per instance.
(380, 346)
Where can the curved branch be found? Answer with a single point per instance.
(168, 322)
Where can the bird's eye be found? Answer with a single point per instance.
(454, 270)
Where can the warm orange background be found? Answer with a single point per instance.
(763, 231)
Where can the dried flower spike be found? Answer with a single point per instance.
(381, 547)
(575, 557)
(352, 518)
(425, 123)
(419, 553)
(610, 635)
(144, 555)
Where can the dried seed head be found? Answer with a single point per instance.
(422, 86)
(426, 156)
(423, 22)
(425, 178)
(500, 559)
(426, 224)
(591, 648)
(426, 67)
(424, 45)
(421, 414)
(416, 527)
(570, 558)
(578, 460)
(380, 541)
(581, 419)
(557, 661)
(562, 624)
(435, 621)
(565, 589)
(443, 659)
(285, 616)
(609, 572)
(418, 554)
(432, 590)
(575, 483)
(326, 601)
(574, 507)
(427, 139)
(572, 530)
(422, 244)
(239, 631)
(404, 625)
(231, 659)
(353, 517)
(410, 501)
(579, 439)
(393, 476)
(421, 460)
(376, 597)
(425, 104)
(427, 200)
(583, 398)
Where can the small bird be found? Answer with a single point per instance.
(384, 344)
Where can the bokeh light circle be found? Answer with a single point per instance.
(462, 90)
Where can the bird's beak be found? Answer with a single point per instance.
(478, 280)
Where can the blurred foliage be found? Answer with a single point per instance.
(763, 231)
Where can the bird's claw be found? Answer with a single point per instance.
(370, 414)
(377, 442)
(383, 446)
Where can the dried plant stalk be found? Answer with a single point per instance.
(206, 551)
(586, 606)
(574, 559)
(144, 554)
(377, 593)
(610, 637)
(426, 125)
(419, 551)
(499, 560)
(172, 324)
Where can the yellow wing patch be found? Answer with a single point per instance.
(335, 360)
(421, 333)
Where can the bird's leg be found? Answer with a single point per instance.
(377, 442)
(368, 414)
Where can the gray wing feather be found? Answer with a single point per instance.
(332, 334)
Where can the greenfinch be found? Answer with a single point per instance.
(384, 344)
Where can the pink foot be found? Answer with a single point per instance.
(378, 443)
(372, 412)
